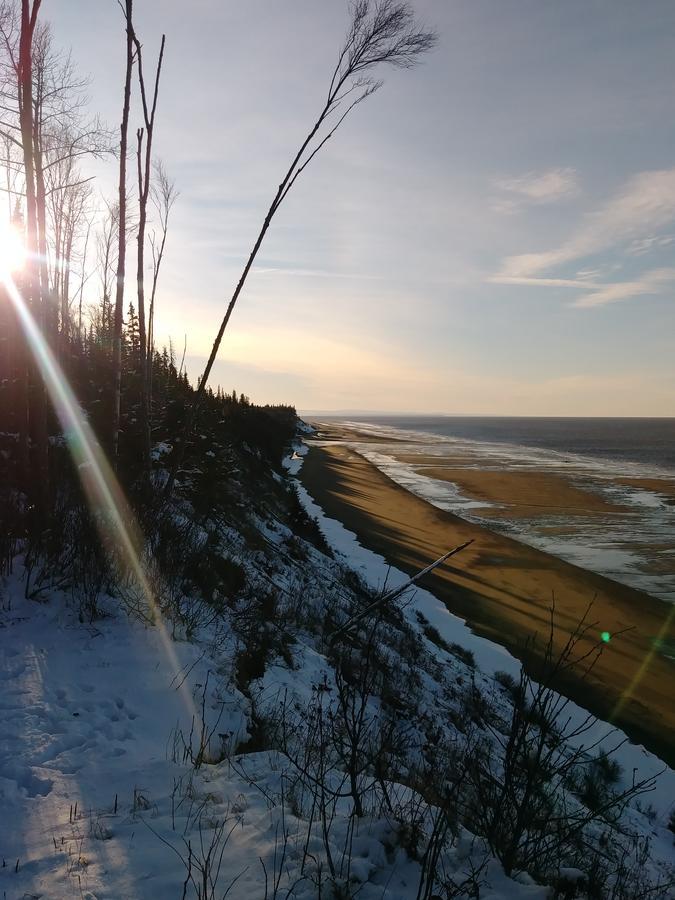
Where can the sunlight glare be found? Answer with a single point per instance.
(12, 251)
(104, 493)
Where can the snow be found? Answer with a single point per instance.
(90, 769)
(99, 798)
(88, 764)
(293, 462)
(490, 657)
(378, 573)
(160, 450)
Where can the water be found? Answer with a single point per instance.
(650, 442)
(634, 542)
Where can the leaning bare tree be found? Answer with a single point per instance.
(381, 32)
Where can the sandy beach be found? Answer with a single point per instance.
(522, 493)
(503, 588)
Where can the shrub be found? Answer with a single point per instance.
(508, 682)
(432, 634)
(517, 771)
(607, 768)
(465, 655)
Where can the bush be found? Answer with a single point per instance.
(508, 682)
(517, 772)
(465, 655)
(608, 769)
(433, 634)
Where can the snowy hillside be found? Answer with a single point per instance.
(252, 749)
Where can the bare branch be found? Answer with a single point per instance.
(380, 32)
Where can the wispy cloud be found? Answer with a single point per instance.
(628, 224)
(535, 188)
(652, 282)
(540, 282)
(314, 273)
(645, 204)
(646, 245)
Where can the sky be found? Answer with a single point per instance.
(493, 232)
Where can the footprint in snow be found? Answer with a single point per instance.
(27, 781)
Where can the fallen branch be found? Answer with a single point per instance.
(392, 595)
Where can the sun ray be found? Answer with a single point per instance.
(100, 483)
(656, 644)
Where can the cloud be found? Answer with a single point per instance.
(535, 188)
(645, 245)
(539, 282)
(646, 203)
(652, 282)
(627, 223)
(281, 271)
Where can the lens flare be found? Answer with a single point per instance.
(104, 494)
(12, 251)
(629, 693)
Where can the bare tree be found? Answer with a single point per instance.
(106, 262)
(144, 169)
(121, 232)
(29, 15)
(12, 167)
(61, 135)
(44, 133)
(10, 30)
(70, 211)
(381, 32)
(17, 357)
(163, 194)
(84, 277)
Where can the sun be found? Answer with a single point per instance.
(12, 250)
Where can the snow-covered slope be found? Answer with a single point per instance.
(97, 800)
(135, 763)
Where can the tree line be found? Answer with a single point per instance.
(80, 244)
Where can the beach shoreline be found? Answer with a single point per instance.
(503, 589)
(610, 515)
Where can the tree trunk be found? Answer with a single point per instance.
(38, 410)
(122, 238)
(66, 329)
(144, 174)
(50, 316)
(143, 185)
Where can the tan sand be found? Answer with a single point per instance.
(525, 492)
(503, 589)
